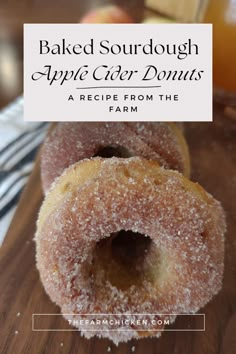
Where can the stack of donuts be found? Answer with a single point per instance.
(122, 229)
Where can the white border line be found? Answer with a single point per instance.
(120, 314)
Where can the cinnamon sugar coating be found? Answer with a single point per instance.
(70, 142)
(127, 236)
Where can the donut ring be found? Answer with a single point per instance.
(127, 236)
(68, 143)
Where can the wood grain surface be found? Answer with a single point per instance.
(213, 155)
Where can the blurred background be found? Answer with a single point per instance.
(14, 15)
(222, 13)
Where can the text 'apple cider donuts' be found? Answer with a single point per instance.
(118, 236)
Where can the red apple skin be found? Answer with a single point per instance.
(107, 14)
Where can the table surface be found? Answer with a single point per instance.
(15, 13)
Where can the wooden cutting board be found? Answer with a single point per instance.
(213, 154)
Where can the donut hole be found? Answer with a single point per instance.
(113, 151)
(123, 259)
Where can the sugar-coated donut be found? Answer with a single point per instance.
(127, 236)
(68, 143)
